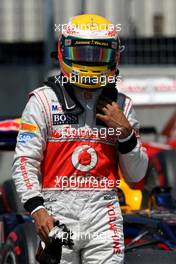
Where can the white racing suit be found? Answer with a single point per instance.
(55, 144)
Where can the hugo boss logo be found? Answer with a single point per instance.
(61, 119)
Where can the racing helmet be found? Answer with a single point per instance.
(89, 50)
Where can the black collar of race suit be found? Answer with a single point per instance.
(69, 101)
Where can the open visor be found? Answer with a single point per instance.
(88, 53)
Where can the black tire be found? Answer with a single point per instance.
(147, 256)
(10, 257)
(13, 199)
(21, 245)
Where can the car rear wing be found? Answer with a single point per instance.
(8, 133)
(8, 140)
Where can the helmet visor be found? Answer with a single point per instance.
(90, 54)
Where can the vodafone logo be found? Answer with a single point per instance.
(84, 158)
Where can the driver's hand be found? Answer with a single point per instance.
(43, 223)
(113, 116)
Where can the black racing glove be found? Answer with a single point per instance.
(59, 236)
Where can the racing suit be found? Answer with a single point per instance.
(55, 143)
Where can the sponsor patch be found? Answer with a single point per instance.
(23, 161)
(92, 43)
(109, 197)
(56, 108)
(68, 42)
(29, 127)
(113, 227)
(25, 137)
(62, 119)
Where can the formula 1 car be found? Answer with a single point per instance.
(150, 236)
(18, 240)
(155, 98)
(150, 217)
(162, 166)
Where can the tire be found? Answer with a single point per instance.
(21, 245)
(13, 201)
(147, 256)
(10, 257)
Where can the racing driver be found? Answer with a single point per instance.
(61, 138)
